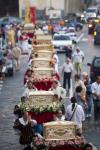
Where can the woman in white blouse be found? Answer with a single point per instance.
(75, 113)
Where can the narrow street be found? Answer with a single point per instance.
(10, 95)
(13, 87)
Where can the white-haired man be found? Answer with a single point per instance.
(78, 58)
(67, 73)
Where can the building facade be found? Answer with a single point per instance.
(65, 5)
(72, 6)
(8, 7)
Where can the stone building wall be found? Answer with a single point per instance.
(8, 7)
(73, 6)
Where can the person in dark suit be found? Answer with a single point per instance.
(69, 51)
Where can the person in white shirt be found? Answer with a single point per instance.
(75, 113)
(55, 56)
(78, 58)
(58, 90)
(38, 31)
(59, 116)
(96, 99)
(55, 64)
(30, 88)
(45, 29)
(25, 119)
(67, 73)
(19, 33)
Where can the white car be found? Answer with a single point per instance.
(90, 13)
(71, 29)
(73, 36)
(60, 41)
(63, 30)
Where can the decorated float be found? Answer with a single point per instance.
(43, 39)
(42, 104)
(58, 135)
(42, 63)
(28, 28)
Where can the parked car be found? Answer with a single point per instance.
(91, 12)
(71, 29)
(97, 35)
(72, 34)
(94, 68)
(63, 30)
(60, 41)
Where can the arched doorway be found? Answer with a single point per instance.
(9, 7)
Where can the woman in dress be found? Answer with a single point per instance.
(11, 36)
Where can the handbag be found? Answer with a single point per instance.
(73, 113)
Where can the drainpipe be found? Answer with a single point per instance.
(66, 6)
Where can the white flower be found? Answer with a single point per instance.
(41, 109)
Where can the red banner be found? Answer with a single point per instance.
(32, 15)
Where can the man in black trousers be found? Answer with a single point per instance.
(67, 73)
(68, 51)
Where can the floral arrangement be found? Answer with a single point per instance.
(44, 79)
(54, 107)
(22, 106)
(42, 144)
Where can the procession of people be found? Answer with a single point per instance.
(76, 105)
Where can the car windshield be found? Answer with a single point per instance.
(61, 37)
(97, 63)
(91, 10)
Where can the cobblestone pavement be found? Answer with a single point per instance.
(10, 95)
(11, 92)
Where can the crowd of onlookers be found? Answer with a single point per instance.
(10, 52)
(13, 42)
(85, 94)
